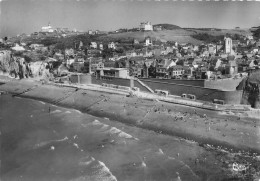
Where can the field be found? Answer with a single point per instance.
(242, 32)
(179, 35)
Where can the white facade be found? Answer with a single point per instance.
(250, 37)
(93, 45)
(112, 45)
(228, 45)
(146, 26)
(47, 29)
(148, 41)
(101, 46)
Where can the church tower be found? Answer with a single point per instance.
(228, 45)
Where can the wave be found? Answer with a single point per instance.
(88, 162)
(67, 112)
(121, 133)
(125, 135)
(96, 122)
(160, 151)
(114, 130)
(44, 143)
(101, 171)
(42, 102)
(104, 127)
(56, 111)
(77, 111)
(104, 173)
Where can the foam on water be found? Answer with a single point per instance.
(143, 164)
(125, 135)
(48, 142)
(114, 130)
(67, 112)
(185, 165)
(76, 145)
(96, 122)
(104, 127)
(101, 171)
(56, 111)
(42, 102)
(86, 163)
(160, 151)
(104, 173)
(121, 134)
(77, 111)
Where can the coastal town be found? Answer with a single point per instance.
(221, 63)
(152, 102)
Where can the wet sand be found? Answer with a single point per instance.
(203, 126)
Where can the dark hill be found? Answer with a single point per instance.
(168, 26)
(256, 32)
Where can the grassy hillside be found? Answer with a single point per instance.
(179, 35)
(168, 26)
(220, 32)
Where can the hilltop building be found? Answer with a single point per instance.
(157, 28)
(47, 29)
(146, 26)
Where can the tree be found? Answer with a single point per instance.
(152, 71)
(27, 58)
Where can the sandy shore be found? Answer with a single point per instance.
(203, 126)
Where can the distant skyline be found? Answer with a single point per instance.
(27, 16)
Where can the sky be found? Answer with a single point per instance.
(27, 16)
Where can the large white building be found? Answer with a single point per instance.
(228, 46)
(47, 29)
(146, 26)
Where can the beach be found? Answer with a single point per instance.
(206, 141)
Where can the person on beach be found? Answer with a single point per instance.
(24, 70)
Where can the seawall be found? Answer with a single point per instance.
(201, 93)
(204, 94)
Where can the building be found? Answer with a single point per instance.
(157, 28)
(176, 71)
(148, 41)
(18, 48)
(136, 41)
(228, 46)
(36, 46)
(101, 47)
(112, 45)
(47, 29)
(146, 26)
(257, 44)
(78, 66)
(249, 37)
(113, 72)
(231, 67)
(93, 45)
(90, 32)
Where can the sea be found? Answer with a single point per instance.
(41, 141)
